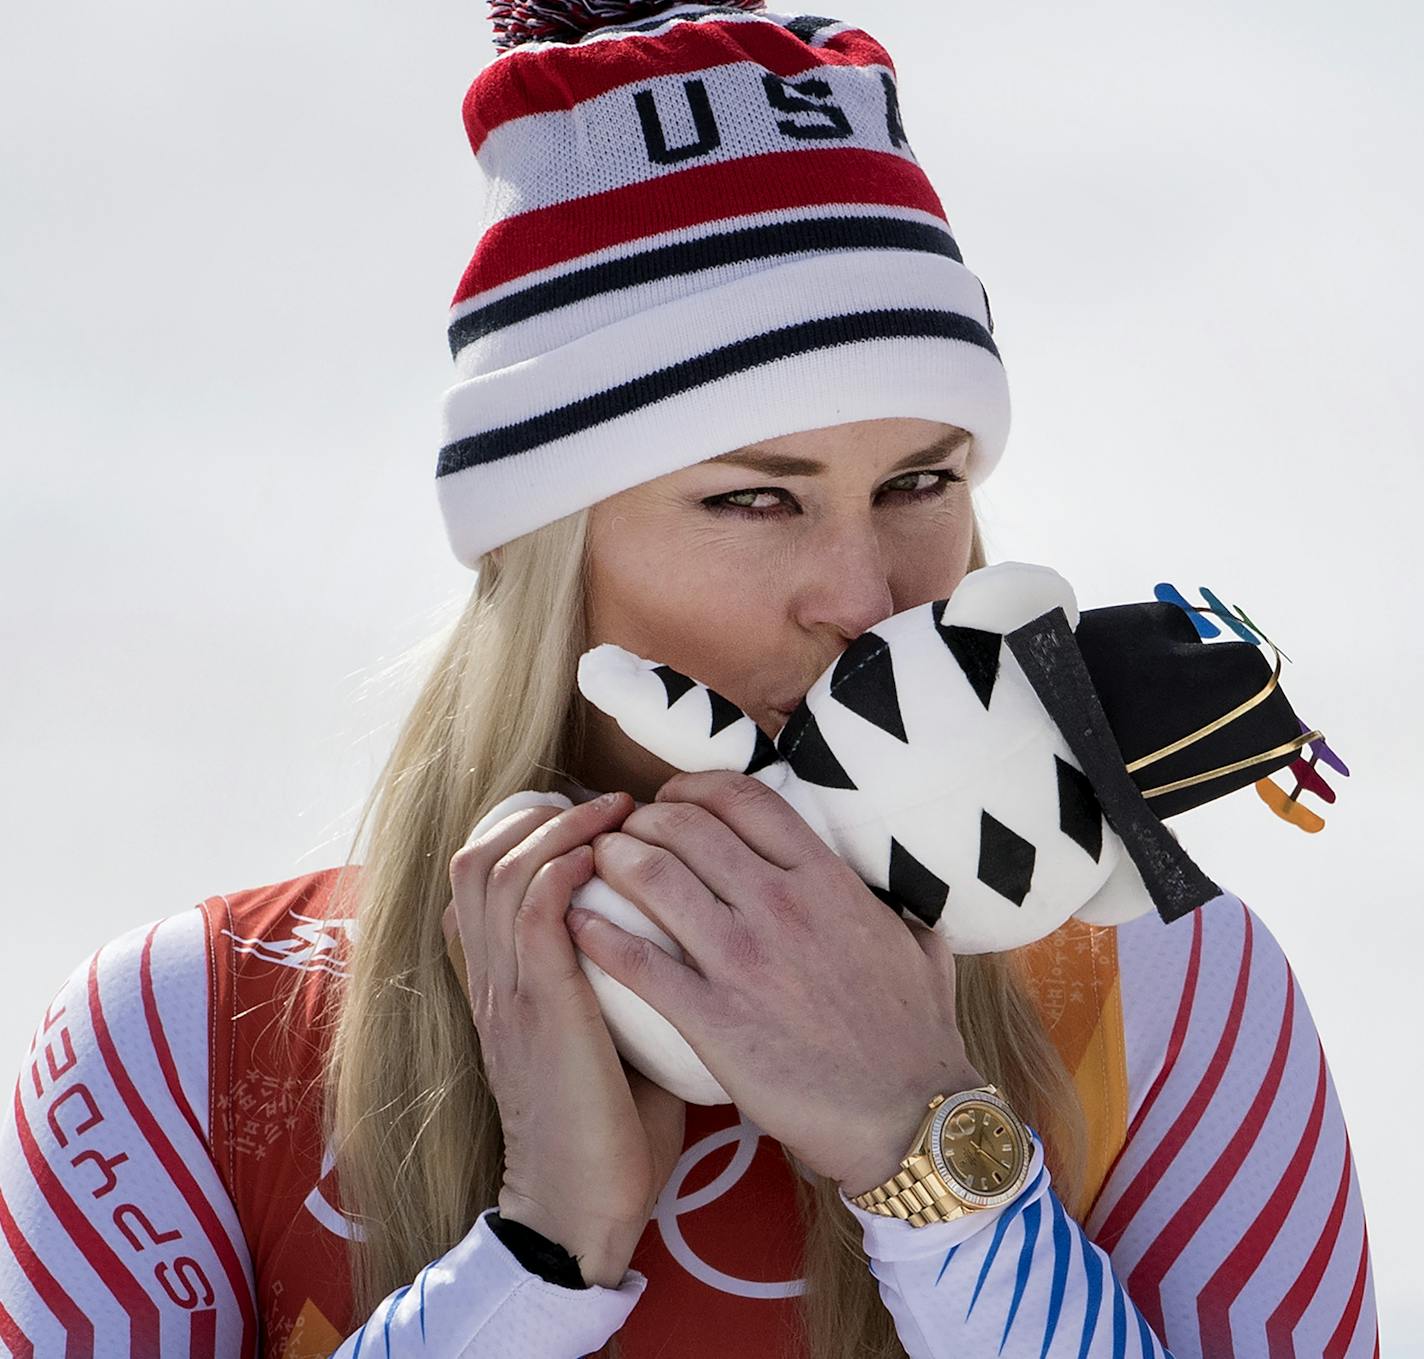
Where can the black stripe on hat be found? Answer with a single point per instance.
(691, 16)
(613, 403)
(775, 240)
(804, 26)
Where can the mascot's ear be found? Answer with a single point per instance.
(672, 715)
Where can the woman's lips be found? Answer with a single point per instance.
(781, 714)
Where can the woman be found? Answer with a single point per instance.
(283, 1123)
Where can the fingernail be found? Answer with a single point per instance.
(578, 918)
(606, 801)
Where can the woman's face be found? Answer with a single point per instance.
(753, 571)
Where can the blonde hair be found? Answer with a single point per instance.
(413, 1125)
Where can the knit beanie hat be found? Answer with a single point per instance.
(703, 227)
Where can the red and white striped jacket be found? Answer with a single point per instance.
(164, 1189)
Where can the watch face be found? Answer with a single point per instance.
(983, 1152)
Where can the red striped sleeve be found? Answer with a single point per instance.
(74, 1330)
(177, 1177)
(115, 1226)
(1233, 1212)
(14, 1339)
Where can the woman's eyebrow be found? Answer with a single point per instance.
(784, 465)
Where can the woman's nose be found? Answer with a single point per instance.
(847, 581)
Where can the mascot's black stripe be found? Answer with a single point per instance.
(1049, 657)
(615, 402)
(779, 239)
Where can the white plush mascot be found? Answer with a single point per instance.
(969, 759)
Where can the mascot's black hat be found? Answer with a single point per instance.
(1162, 720)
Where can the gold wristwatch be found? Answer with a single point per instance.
(971, 1152)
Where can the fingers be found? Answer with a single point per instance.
(469, 870)
(492, 876)
(665, 888)
(672, 988)
(760, 816)
(472, 861)
(687, 834)
(543, 951)
(513, 873)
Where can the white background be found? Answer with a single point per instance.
(228, 242)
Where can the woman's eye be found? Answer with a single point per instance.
(729, 502)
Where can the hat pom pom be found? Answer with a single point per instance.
(521, 21)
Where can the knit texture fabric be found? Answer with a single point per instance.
(702, 228)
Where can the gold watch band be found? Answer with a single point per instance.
(908, 1197)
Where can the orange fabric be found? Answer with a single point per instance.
(1072, 977)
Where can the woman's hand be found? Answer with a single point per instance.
(828, 1019)
(588, 1142)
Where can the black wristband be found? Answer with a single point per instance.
(549, 1260)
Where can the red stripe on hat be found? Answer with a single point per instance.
(173, 1163)
(1222, 1289)
(560, 78)
(79, 1330)
(704, 194)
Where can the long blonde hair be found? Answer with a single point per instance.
(413, 1125)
